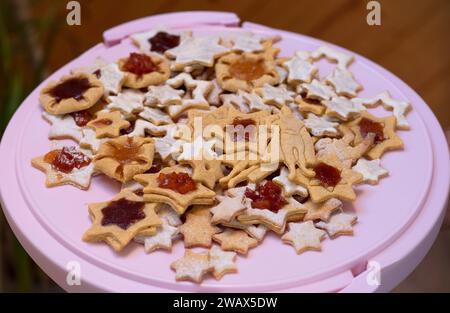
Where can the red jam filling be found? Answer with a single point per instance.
(81, 118)
(163, 41)
(71, 88)
(123, 213)
(367, 126)
(266, 197)
(139, 64)
(157, 165)
(179, 182)
(247, 69)
(328, 175)
(242, 133)
(67, 159)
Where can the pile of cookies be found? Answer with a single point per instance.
(217, 141)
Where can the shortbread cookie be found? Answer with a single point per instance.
(127, 102)
(71, 93)
(198, 231)
(192, 266)
(143, 70)
(235, 240)
(66, 166)
(159, 40)
(304, 236)
(63, 127)
(223, 262)
(300, 70)
(343, 60)
(163, 96)
(118, 221)
(321, 210)
(332, 180)
(124, 157)
(400, 108)
(161, 240)
(108, 124)
(196, 51)
(343, 82)
(320, 126)
(370, 170)
(339, 224)
(384, 130)
(245, 71)
(175, 187)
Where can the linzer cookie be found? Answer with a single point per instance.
(217, 141)
(71, 93)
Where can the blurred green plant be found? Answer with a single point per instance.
(26, 39)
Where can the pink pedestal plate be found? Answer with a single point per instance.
(398, 219)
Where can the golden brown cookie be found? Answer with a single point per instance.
(124, 157)
(384, 129)
(160, 188)
(235, 240)
(245, 71)
(108, 124)
(71, 93)
(118, 221)
(197, 230)
(142, 70)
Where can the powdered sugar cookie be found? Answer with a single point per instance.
(343, 60)
(227, 209)
(163, 96)
(66, 166)
(318, 90)
(342, 108)
(288, 186)
(343, 82)
(192, 266)
(90, 140)
(223, 262)
(128, 102)
(304, 236)
(300, 70)
(370, 170)
(155, 116)
(399, 107)
(142, 127)
(202, 51)
(339, 224)
(320, 126)
(278, 96)
(161, 240)
(200, 89)
(235, 240)
(111, 77)
(63, 127)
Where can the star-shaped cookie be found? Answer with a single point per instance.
(198, 231)
(304, 236)
(108, 124)
(223, 262)
(105, 218)
(161, 240)
(235, 240)
(192, 266)
(370, 170)
(339, 224)
(179, 202)
(196, 51)
(322, 211)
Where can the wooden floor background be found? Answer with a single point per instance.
(412, 42)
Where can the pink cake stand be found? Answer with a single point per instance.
(398, 220)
